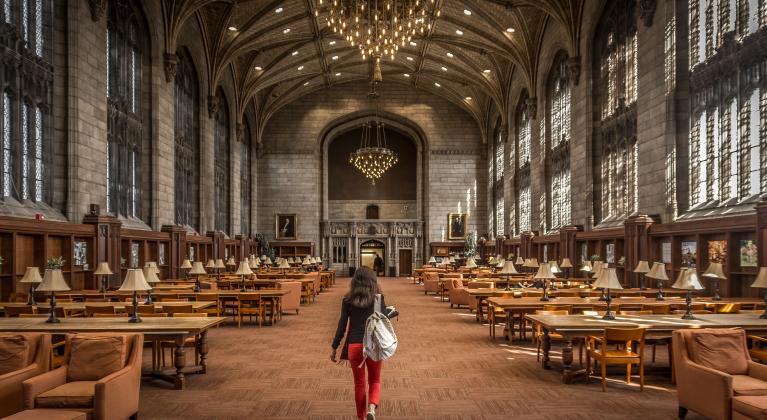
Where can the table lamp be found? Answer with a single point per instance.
(554, 270)
(31, 276)
(284, 265)
(471, 264)
(508, 269)
(432, 261)
(197, 270)
(290, 260)
(544, 273)
(761, 282)
(598, 265)
(150, 276)
(566, 266)
(586, 268)
(687, 280)
(268, 262)
(642, 268)
(491, 260)
(211, 265)
(103, 270)
(219, 266)
(231, 263)
(186, 265)
(53, 281)
(520, 262)
(658, 272)
(242, 271)
(500, 263)
(715, 273)
(134, 282)
(608, 280)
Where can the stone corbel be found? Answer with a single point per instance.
(98, 8)
(171, 64)
(240, 132)
(647, 11)
(573, 68)
(212, 106)
(531, 105)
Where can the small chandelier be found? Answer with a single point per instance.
(373, 158)
(379, 27)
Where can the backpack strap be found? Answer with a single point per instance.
(378, 305)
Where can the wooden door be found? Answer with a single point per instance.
(405, 262)
(371, 212)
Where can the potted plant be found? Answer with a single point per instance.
(55, 263)
(595, 257)
(621, 261)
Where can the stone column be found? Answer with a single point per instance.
(636, 245)
(107, 244)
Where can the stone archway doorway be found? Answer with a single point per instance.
(371, 249)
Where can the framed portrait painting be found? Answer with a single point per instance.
(456, 226)
(285, 226)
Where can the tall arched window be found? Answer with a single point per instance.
(187, 179)
(27, 81)
(500, 152)
(728, 120)
(245, 182)
(558, 143)
(615, 83)
(221, 170)
(522, 168)
(127, 110)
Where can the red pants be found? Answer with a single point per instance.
(374, 379)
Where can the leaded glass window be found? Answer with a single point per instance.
(187, 143)
(522, 172)
(245, 181)
(26, 102)
(728, 140)
(558, 143)
(497, 179)
(221, 169)
(127, 110)
(615, 82)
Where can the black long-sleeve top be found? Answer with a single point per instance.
(356, 318)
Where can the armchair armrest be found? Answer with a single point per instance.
(117, 395)
(33, 387)
(757, 370)
(17, 375)
(756, 339)
(704, 390)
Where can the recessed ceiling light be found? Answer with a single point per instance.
(259, 68)
(338, 74)
(286, 30)
(467, 12)
(409, 58)
(486, 71)
(510, 30)
(437, 84)
(450, 55)
(458, 32)
(468, 98)
(444, 68)
(294, 53)
(413, 43)
(406, 75)
(335, 57)
(306, 83)
(332, 42)
(232, 28)
(278, 10)
(300, 68)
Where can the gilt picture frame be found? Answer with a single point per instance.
(285, 226)
(456, 226)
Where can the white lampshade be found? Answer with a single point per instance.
(219, 264)
(53, 281)
(642, 267)
(714, 271)
(230, 261)
(508, 268)
(470, 263)
(520, 262)
(210, 264)
(102, 269)
(566, 263)
(186, 264)
(32, 275)
(608, 279)
(544, 272)
(761, 278)
(284, 264)
(134, 281)
(554, 267)
(658, 271)
(432, 260)
(152, 264)
(268, 261)
(263, 258)
(197, 268)
(586, 267)
(244, 269)
(306, 261)
(253, 263)
(687, 280)
(150, 275)
(533, 263)
(501, 263)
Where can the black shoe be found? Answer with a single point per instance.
(371, 416)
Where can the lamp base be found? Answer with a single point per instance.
(52, 319)
(134, 319)
(688, 316)
(31, 299)
(660, 295)
(609, 316)
(764, 315)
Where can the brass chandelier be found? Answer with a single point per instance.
(373, 158)
(379, 27)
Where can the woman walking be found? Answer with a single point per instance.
(357, 305)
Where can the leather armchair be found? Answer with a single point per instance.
(458, 294)
(709, 391)
(291, 301)
(431, 283)
(10, 383)
(113, 397)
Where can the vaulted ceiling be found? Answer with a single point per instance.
(282, 50)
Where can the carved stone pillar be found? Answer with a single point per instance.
(567, 242)
(178, 251)
(526, 247)
(107, 244)
(636, 244)
(217, 238)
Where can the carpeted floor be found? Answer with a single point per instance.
(446, 367)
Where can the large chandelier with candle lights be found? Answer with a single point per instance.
(378, 28)
(373, 158)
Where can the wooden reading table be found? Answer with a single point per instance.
(176, 330)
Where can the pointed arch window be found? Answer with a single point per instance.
(498, 179)
(245, 180)
(522, 168)
(127, 110)
(221, 169)
(187, 143)
(558, 143)
(728, 120)
(26, 101)
(615, 82)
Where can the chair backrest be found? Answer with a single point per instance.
(33, 315)
(174, 300)
(568, 293)
(207, 297)
(624, 335)
(728, 308)
(566, 308)
(12, 311)
(190, 315)
(174, 309)
(292, 300)
(248, 297)
(592, 313)
(90, 310)
(19, 297)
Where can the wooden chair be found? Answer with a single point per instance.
(91, 310)
(174, 299)
(171, 310)
(190, 342)
(209, 297)
(13, 311)
(141, 309)
(114, 315)
(250, 304)
(727, 308)
(758, 350)
(598, 350)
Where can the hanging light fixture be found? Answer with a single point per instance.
(380, 27)
(373, 158)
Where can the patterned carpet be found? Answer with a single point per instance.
(446, 368)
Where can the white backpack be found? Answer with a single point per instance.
(380, 341)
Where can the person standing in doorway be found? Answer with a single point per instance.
(356, 306)
(378, 264)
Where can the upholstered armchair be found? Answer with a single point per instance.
(712, 366)
(101, 376)
(431, 283)
(291, 301)
(23, 356)
(458, 293)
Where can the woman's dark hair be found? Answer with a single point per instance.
(363, 288)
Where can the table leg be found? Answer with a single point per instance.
(510, 326)
(202, 348)
(546, 347)
(179, 354)
(480, 311)
(567, 359)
